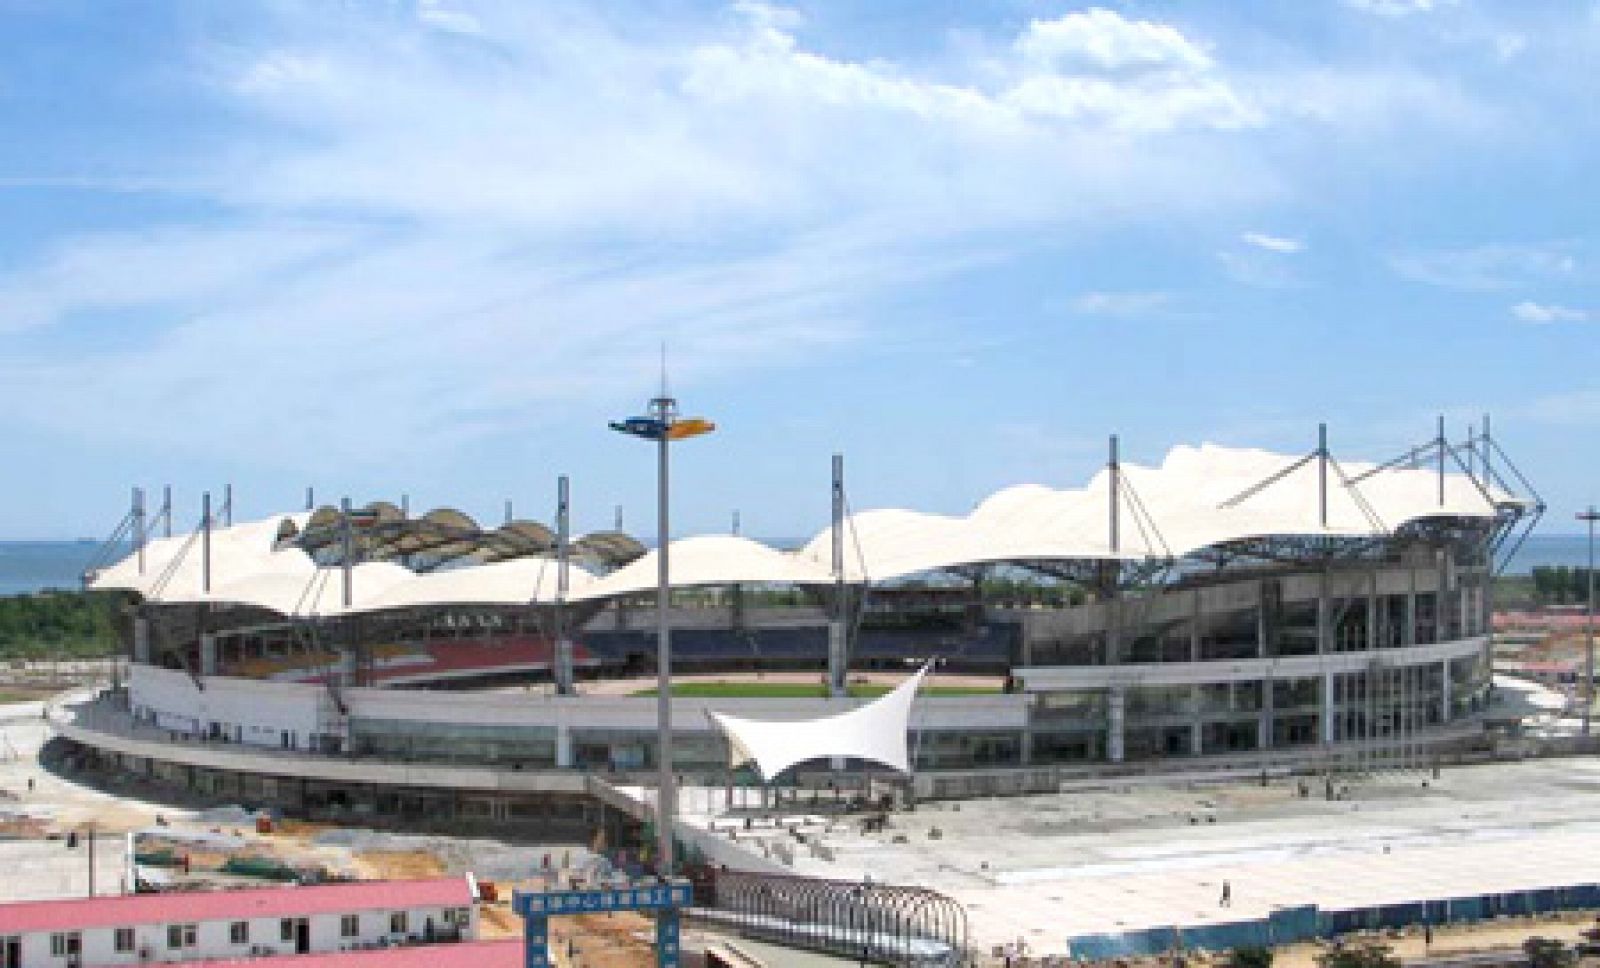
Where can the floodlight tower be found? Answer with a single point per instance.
(662, 425)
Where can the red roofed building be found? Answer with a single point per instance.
(196, 926)
(475, 954)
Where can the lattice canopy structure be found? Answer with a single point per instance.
(880, 923)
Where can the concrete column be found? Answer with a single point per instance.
(837, 671)
(1264, 721)
(208, 655)
(141, 640)
(564, 746)
(1194, 627)
(1409, 633)
(1114, 631)
(563, 671)
(1116, 703)
(1323, 630)
(1442, 600)
(1328, 715)
(1261, 620)
(1196, 724)
(1445, 687)
(1374, 634)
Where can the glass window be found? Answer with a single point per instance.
(239, 932)
(66, 943)
(123, 940)
(397, 922)
(350, 926)
(181, 936)
(286, 929)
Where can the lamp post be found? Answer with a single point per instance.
(662, 426)
(1589, 517)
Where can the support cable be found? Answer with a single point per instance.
(1263, 485)
(1142, 517)
(854, 628)
(1360, 499)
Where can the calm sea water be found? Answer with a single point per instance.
(30, 566)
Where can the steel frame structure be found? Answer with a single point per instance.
(878, 923)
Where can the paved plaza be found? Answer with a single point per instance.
(1047, 868)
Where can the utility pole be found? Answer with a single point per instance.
(1589, 517)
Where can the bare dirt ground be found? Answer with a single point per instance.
(398, 865)
(1457, 939)
(621, 940)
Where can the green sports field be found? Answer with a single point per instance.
(802, 690)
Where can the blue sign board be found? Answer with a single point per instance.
(643, 897)
(665, 899)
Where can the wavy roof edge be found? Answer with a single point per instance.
(1198, 497)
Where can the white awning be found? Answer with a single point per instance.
(878, 731)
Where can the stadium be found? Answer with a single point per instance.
(1223, 604)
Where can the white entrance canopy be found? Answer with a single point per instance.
(877, 731)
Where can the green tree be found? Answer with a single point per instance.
(58, 624)
(1249, 956)
(1363, 953)
(1548, 953)
(1544, 584)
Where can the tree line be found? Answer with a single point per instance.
(58, 623)
(1561, 585)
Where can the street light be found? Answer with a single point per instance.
(1589, 517)
(663, 425)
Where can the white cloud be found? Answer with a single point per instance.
(168, 268)
(1280, 244)
(1485, 268)
(1569, 408)
(1532, 312)
(1103, 40)
(1121, 303)
(457, 220)
(435, 14)
(1254, 267)
(1400, 8)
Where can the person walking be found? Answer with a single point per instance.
(1227, 895)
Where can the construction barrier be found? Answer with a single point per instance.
(1289, 925)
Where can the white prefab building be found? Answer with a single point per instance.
(157, 928)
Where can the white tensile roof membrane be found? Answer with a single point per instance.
(1198, 497)
(876, 731)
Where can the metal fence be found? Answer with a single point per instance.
(876, 923)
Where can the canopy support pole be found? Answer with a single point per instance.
(564, 683)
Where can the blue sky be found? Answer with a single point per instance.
(432, 247)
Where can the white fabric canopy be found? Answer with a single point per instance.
(877, 731)
(1196, 498)
(716, 559)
